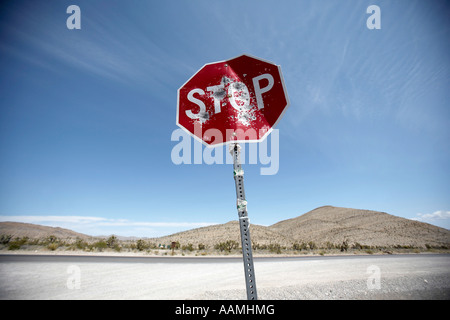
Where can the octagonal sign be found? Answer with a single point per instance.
(239, 100)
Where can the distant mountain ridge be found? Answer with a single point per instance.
(35, 231)
(323, 226)
(326, 225)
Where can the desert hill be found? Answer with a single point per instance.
(212, 235)
(324, 226)
(34, 231)
(366, 227)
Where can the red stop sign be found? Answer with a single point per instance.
(241, 99)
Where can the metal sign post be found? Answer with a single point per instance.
(244, 223)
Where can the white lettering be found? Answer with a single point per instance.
(374, 280)
(184, 146)
(192, 310)
(197, 144)
(213, 135)
(247, 309)
(238, 96)
(259, 91)
(237, 93)
(74, 281)
(274, 154)
(218, 93)
(74, 21)
(374, 21)
(202, 115)
(182, 151)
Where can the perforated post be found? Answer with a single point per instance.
(244, 224)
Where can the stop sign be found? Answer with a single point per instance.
(241, 99)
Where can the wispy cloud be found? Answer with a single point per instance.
(52, 219)
(120, 54)
(437, 215)
(82, 53)
(440, 218)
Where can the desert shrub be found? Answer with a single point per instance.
(404, 246)
(258, 246)
(188, 247)
(330, 245)
(312, 245)
(141, 245)
(5, 238)
(13, 245)
(201, 246)
(299, 246)
(261, 246)
(100, 245)
(17, 243)
(227, 245)
(344, 246)
(52, 246)
(275, 248)
(112, 242)
(80, 244)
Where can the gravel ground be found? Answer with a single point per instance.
(353, 277)
(404, 288)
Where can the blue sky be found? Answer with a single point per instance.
(87, 115)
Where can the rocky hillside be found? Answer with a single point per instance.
(366, 227)
(212, 235)
(324, 226)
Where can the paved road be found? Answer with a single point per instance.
(339, 277)
(67, 258)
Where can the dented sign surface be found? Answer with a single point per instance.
(244, 95)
